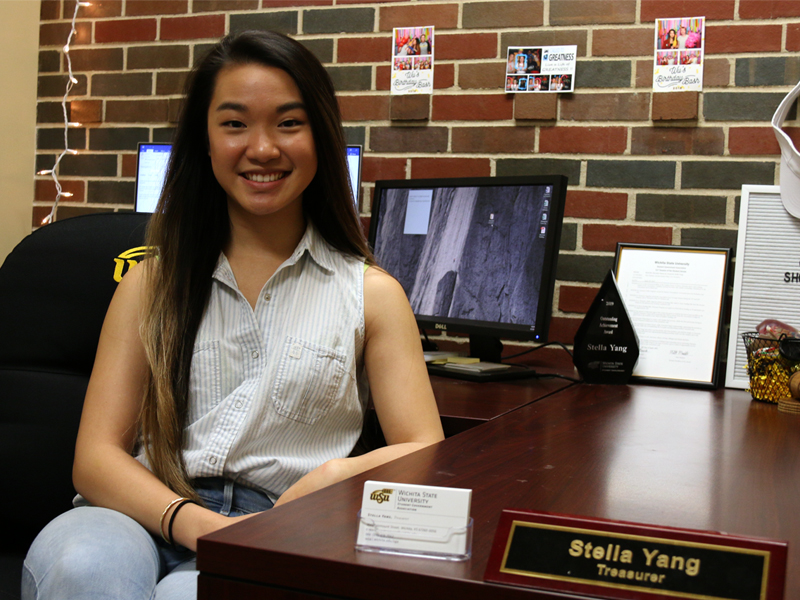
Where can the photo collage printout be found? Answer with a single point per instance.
(679, 46)
(412, 60)
(541, 69)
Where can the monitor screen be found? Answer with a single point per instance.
(354, 168)
(475, 255)
(151, 168)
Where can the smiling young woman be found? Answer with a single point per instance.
(234, 366)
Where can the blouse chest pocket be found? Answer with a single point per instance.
(205, 390)
(307, 380)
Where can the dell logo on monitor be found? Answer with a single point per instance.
(440, 326)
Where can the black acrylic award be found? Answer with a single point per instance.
(606, 347)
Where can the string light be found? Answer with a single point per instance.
(71, 81)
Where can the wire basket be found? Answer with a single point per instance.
(768, 369)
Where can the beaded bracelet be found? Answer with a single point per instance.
(164, 514)
(184, 502)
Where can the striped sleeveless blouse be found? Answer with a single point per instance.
(278, 390)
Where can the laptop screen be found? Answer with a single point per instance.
(151, 168)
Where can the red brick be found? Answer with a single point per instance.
(137, 111)
(793, 36)
(674, 106)
(576, 299)
(441, 16)
(563, 329)
(583, 12)
(46, 190)
(410, 107)
(612, 42)
(537, 107)
(499, 15)
(365, 221)
(140, 8)
(129, 165)
(86, 111)
(224, 5)
(174, 106)
(758, 141)
(294, 3)
(169, 83)
(97, 9)
(444, 77)
(465, 45)
(605, 107)
(400, 139)
(665, 9)
(596, 205)
(644, 73)
(482, 75)
(367, 1)
(743, 38)
(357, 50)
(430, 168)
(494, 140)
(768, 9)
(125, 30)
(193, 28)
(472, 107)
(50, 10)
(717, 72)
(97, 59)
(364, 108)
(375, 168)
(702, 141)
(56, 34)
(583, 140)
(383, 77)
(604, 238)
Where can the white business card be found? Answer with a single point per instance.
(414, 519)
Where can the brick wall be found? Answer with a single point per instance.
(643, 167)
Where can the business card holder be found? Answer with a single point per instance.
(442, 543)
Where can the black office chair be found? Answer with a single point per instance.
(55, 288)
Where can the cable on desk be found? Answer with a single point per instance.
(567, 350)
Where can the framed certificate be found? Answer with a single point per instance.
(675, 296)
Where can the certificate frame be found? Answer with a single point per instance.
(766, 274)
(671, 275)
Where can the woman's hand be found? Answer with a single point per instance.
(193, 522)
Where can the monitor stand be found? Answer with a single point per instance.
(486, 348)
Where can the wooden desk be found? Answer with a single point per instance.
(464, 404)
(702, 460)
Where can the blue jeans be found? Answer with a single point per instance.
(92, 553)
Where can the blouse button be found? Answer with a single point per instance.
(267, 297)
(213, 460)
(255, 354)
(238, 404)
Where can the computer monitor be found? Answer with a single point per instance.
(354, 168)
(151, 168)
(474, 255)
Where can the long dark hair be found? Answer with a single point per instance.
(190, 227)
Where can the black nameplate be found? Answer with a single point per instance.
(627, 560)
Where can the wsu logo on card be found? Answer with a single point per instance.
(381, 496)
